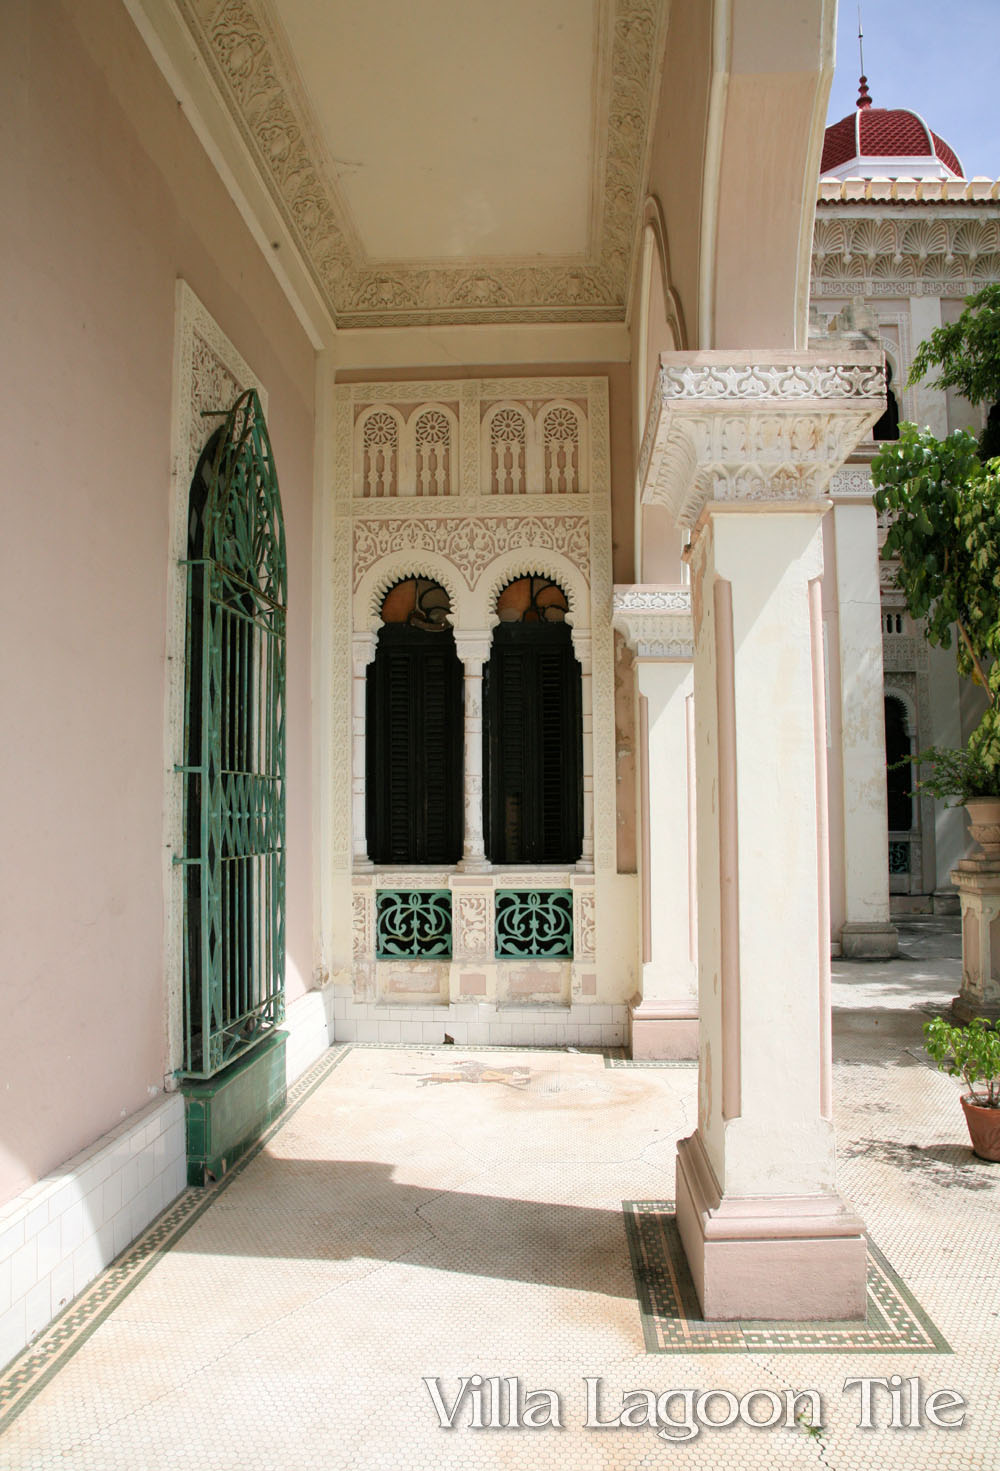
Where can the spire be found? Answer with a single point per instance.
(864, 99)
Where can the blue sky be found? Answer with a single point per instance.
(938, 57)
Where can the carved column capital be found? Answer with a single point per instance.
(753, 427)
(654, 619)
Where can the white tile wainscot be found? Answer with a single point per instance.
(61, 1232)
(471, 1024)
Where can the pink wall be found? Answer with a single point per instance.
(108, 199)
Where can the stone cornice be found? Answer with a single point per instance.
(654, 619)
(256, 78)
(753, 427)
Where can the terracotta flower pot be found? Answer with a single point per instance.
(984, 1129)
(984, 823)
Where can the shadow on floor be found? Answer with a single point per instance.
(944, 1164)
(307, 1209)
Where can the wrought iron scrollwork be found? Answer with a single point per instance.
(234, 933)
(413, 924)
(534, 924)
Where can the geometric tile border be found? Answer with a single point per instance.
(59, 1341)
(672, 1321)
(613, 1059)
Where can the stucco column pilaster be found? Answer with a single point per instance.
(867, 931)
(655, 621)
(742, 450)
(473, 650)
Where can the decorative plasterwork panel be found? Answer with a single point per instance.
(257, 79)
(475, 541)
(853, 482)
(721, 428)
(920, 251)
(655, 621)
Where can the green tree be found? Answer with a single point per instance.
(943, 498)
(968, 353)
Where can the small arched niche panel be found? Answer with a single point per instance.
(414, 730)
(532, 729)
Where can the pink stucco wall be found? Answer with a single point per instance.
(108, 198)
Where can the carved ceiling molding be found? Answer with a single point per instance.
(728, 429)
(243, 51)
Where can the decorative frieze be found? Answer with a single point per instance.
(944, 251)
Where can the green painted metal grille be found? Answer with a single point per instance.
(534, 924)
(413, 924)
(234, 932)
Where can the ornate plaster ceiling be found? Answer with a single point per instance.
(451, 161)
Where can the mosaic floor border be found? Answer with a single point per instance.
(672, 1321)
(60, 1339)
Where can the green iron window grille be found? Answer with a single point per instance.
(534, 924)
(413, 924)
(234, 797)
(899, 857)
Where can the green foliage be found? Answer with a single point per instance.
(966, 351)
(944, 508)
(962, 774)
(972, 1052)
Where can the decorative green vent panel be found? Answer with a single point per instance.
(234, 743)
(534, 924)
(413, 924)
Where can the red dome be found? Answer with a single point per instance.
(882, 132)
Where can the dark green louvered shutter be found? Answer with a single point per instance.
(414, 748)
(533, 758)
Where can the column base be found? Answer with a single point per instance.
(794, 1258)
(965, 1008)
(666, 1030)
(878, 941)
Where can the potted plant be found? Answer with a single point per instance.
(973, 1053)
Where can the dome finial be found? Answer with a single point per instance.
(864, 99)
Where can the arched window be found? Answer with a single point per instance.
(234, 761)
(414, 730)
(532, 729)
(888, 426)
(899, 779)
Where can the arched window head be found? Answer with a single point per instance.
(532, 599)
(415, 730)
(888, 426)
(532, 729)
(417, 602)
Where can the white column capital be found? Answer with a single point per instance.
(753, 427)
(654, 619)
(363, 646)
(473, 646)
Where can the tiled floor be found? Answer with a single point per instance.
(448, 1212)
